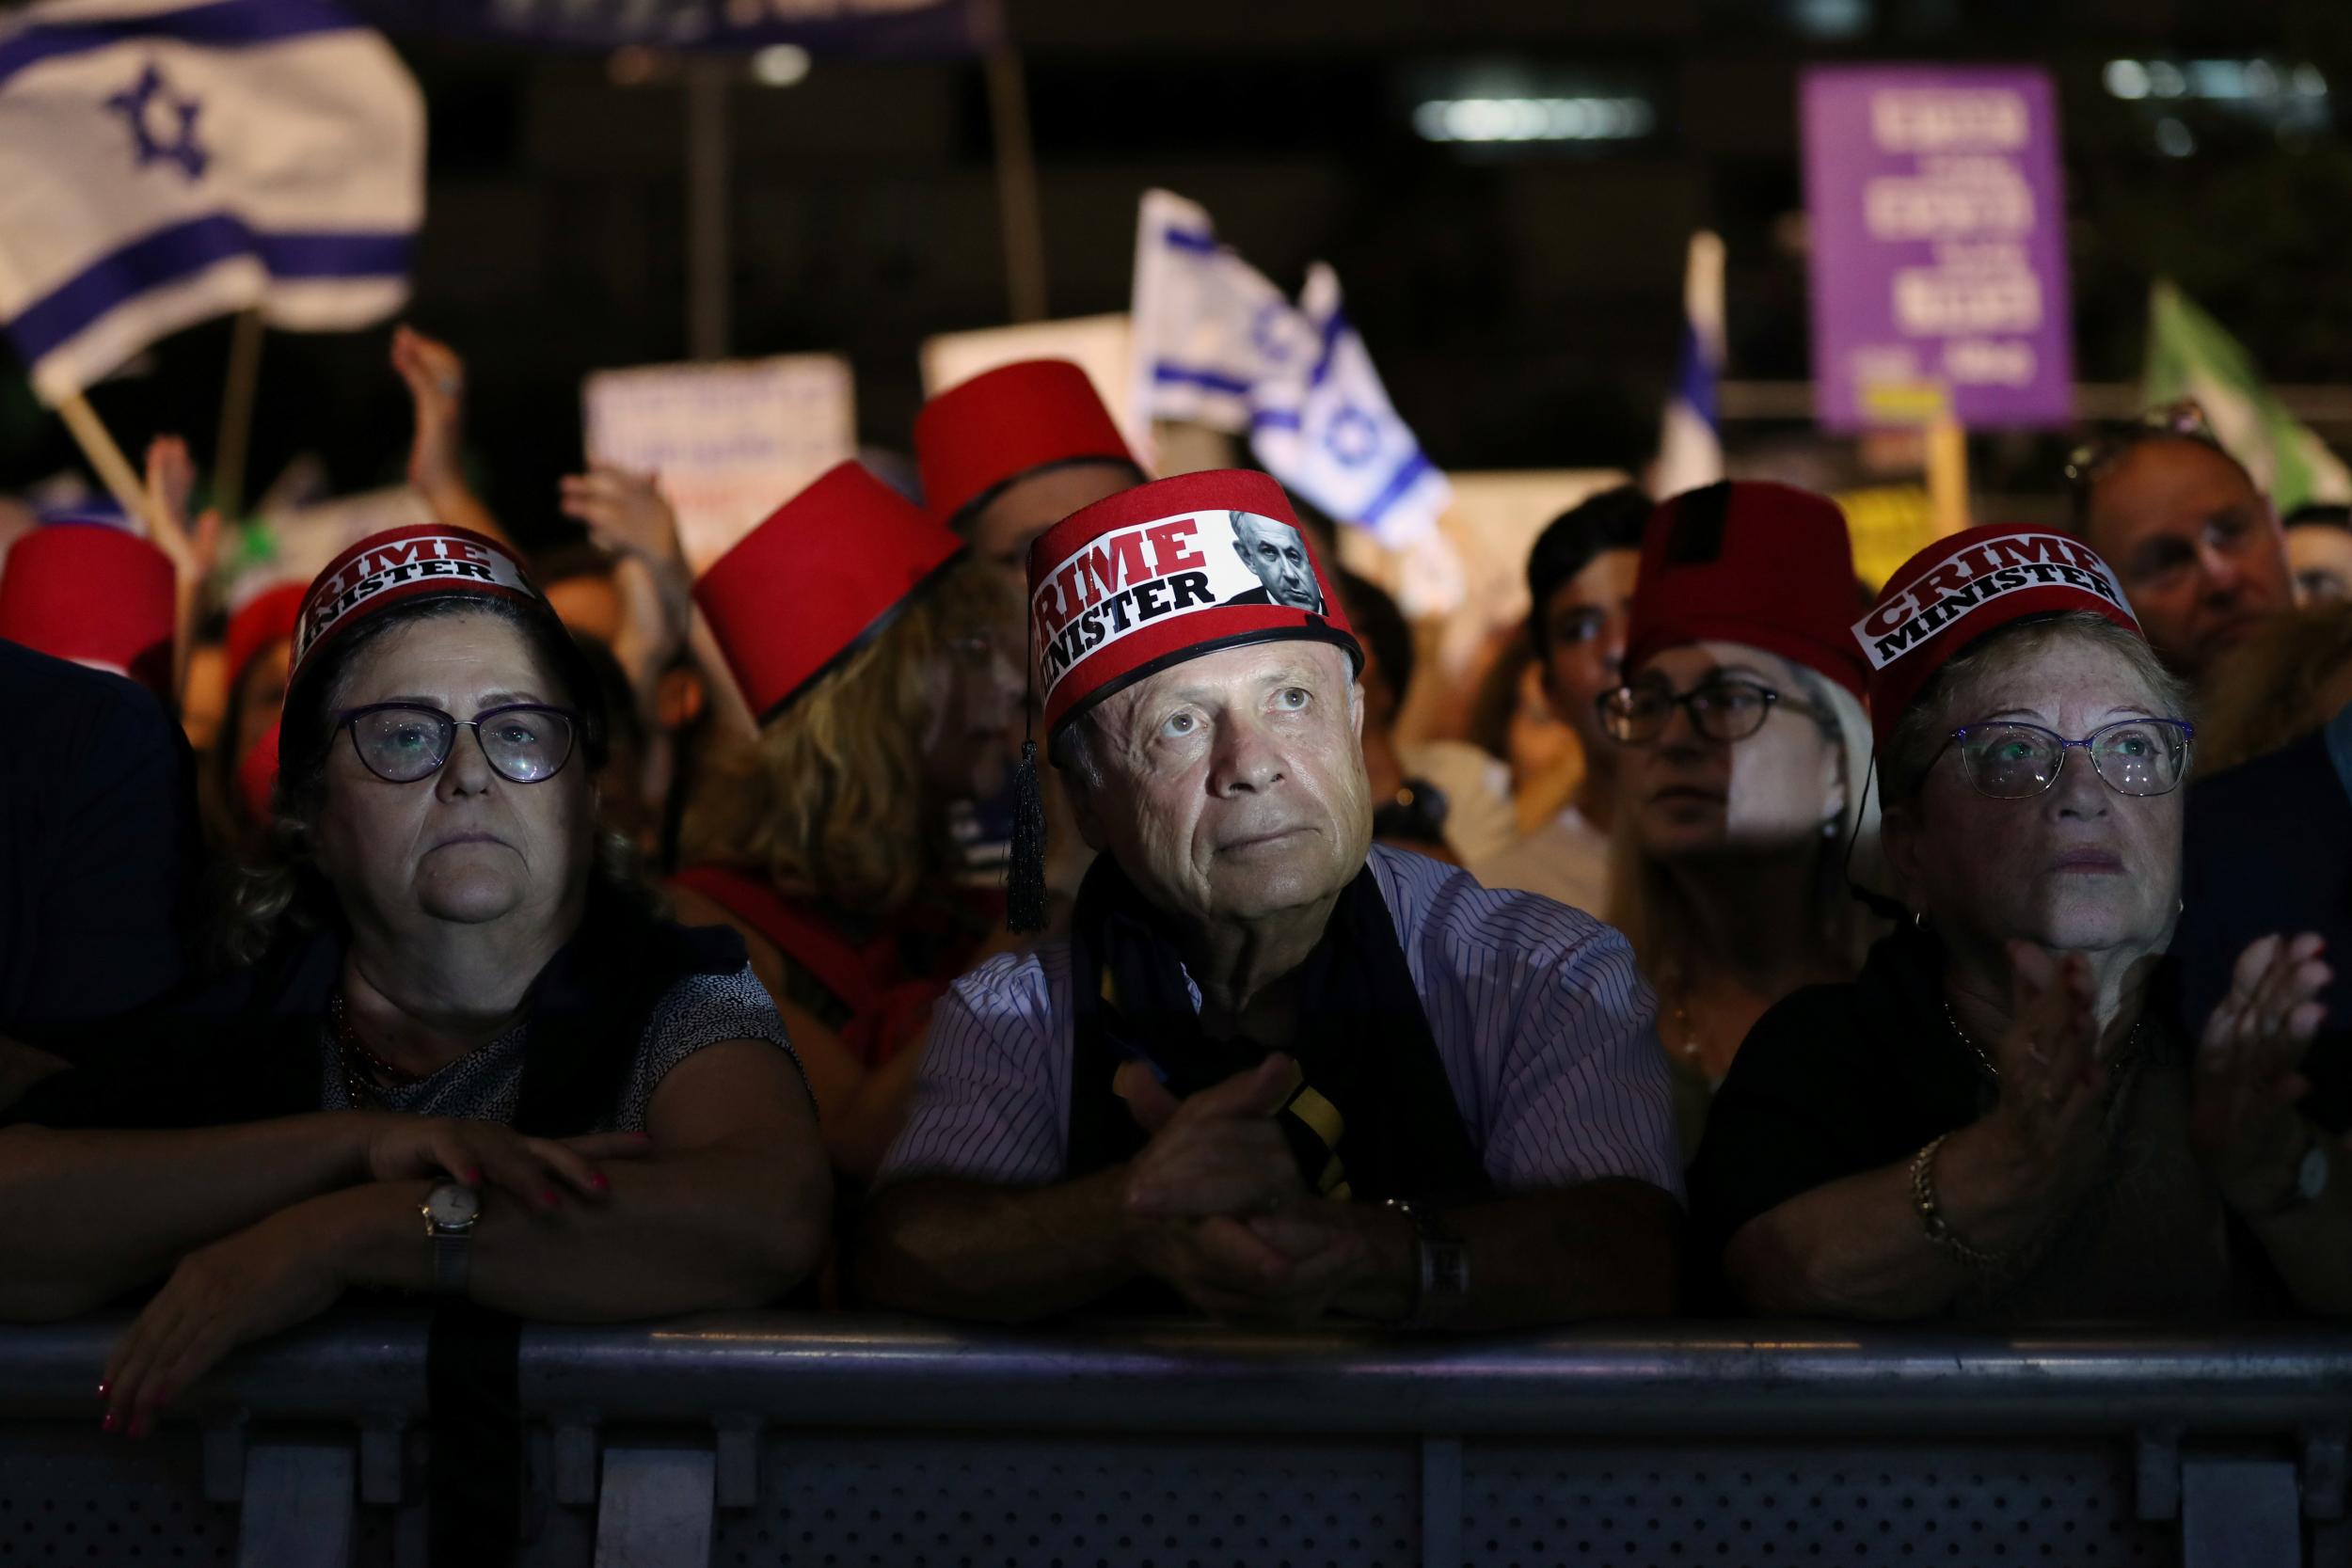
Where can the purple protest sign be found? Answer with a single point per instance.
(1939, 248)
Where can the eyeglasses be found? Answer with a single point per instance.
(2183, 419)
(1720, 709)
(2016, 761)
(402, 742)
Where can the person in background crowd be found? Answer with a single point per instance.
(99, 846)
(1580, 586)
(2002, 1117)
(1274, 1070)
(865, 637)
(259, 656)
(1507, 716)
(634, 587)
(1010, 452)
(1442, 797)
(545, 1099)
(2285, 680)
(2190, 534)
(2319, 553)
(1742, 754)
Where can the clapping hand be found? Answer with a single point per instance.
(2052, 1086)
(2248, 1070)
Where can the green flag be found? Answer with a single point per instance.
(2189, 356)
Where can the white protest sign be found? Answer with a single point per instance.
(729, 442)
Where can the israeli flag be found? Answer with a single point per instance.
(162, 162)
(1208, 327)
(1323, 426)
(1690, 444)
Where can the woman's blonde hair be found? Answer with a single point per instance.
(2268, 690)
(830, 801)
(1646, 905)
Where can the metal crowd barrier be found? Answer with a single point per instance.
(780, 1440)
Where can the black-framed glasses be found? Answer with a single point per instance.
(2183, 418)
(1725, 708)
(404, 742)
(2013, 761)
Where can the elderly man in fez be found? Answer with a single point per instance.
(1273, 1072)
(1276, 554)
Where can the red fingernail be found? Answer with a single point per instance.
(104, 1388)
(473, 1175)
(599, 1182)
(109, 1423)
(547, 1198)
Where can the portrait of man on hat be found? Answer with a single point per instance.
(1274, 1070)
(1276, 554)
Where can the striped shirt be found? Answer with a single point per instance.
(1544, 1026)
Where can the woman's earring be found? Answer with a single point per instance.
(1918, 920)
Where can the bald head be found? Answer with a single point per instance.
(2198, 549)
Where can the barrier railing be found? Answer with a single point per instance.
(778, 1439)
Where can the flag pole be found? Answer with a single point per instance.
(114, 470)
(1947, 475)
(237, 414)
(1017, 207)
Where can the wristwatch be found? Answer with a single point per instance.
(1442, 1286)
(2311, 1180)
(449, 1214)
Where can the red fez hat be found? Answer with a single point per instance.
(257, 777)
(979, 435)
(1166, 572)
(1960, 588)
(405, 565)
(95, 594)
(816, 581)
(1746, 561)
(267, 617)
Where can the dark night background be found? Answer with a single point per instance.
(1523, 304)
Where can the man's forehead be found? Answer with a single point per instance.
(2159, 485)
(1253, 664)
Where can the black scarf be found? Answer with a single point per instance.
(1362, 1043)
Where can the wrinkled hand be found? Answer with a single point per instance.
(437, 391)
(238, 1290)
(2244, 1120)
(624, 511)
(194, 548)
(536, 1171)
(2052, 1087)
(1216, 1206)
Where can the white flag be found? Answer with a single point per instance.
(1325, 427)
(162, 162)
(1690, 444)
(1208, 327)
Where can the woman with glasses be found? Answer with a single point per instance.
(463, 1057)
(2002, 1116)
(1741, 746)
(870, 644)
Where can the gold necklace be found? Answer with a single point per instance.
(2128, 1056)
(352, 1051)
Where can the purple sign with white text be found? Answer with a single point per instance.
(1938, 231)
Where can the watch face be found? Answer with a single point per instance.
(2310, 1178)
(450, 1205)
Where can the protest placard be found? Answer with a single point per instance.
(1938, 244)
(729, 442)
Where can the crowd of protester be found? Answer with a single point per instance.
(1026, 898)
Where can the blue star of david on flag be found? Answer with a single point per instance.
(150, 101)
(191, 158)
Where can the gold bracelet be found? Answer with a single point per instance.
(1939, 1229)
